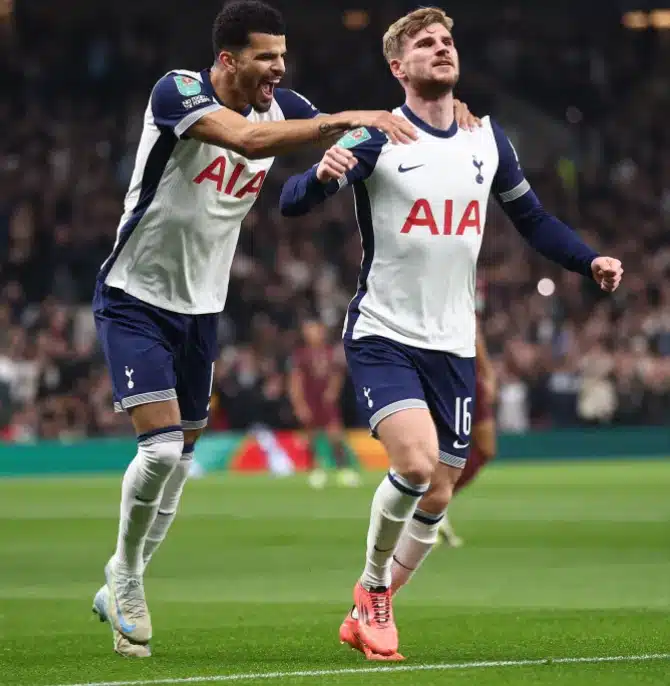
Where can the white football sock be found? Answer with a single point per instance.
(167, 509)
(158, 453)
(393, 504)
(416, 541)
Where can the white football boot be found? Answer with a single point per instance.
(127, 607)
(122, 645)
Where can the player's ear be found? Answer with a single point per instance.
(397, 69)
(227, 61)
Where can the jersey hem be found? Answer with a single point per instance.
(156, 303)
(464, 352)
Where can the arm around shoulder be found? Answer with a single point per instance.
(257, 140)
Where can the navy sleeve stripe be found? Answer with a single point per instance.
(516, 192)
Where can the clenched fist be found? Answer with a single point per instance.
(607, 273)
(335, 163)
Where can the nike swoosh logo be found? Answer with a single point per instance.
(128, 628)
(402, 169)
(460, 446)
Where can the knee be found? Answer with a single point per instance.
(437, 498)
(416, 459)
(162, 448)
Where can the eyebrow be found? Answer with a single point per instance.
(444, 39)
(272, 53)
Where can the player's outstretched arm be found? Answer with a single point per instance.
(256, 140)
(544, 232)
(180, 104)
(352, 159)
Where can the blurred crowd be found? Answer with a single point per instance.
(570, 358)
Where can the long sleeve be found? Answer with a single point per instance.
(303, 192)
(544, 232)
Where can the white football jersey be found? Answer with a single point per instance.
(187, 199)
(421, 209)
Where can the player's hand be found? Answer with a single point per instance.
(398, 129)
(464, 118)
(607, 273)
(335, 164)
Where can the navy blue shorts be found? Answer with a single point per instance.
(153, 354)
(390, 376)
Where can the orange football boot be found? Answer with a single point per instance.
(349, 635)
(349, 632)
(376, 628)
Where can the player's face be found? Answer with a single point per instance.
(429, 61)
(260, 67)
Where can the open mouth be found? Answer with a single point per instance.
(443, 63)
(268, 89)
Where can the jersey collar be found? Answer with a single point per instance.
(209, 89)
(421, 124)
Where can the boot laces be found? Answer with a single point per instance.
(131, 591)
(381, 607)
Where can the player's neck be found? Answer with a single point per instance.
(438, 113)
(226, 92)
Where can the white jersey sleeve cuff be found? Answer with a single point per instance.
(515, 192)
(193, 117)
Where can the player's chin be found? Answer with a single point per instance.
(262, 104)
(447, 79)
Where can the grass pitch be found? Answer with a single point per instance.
(564, 564)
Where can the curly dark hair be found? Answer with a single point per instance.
(239, 18)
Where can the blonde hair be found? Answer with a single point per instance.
(409, 25)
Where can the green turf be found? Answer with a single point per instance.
(562, 561)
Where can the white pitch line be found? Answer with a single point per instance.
(221, 678)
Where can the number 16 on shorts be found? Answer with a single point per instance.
(462, 422)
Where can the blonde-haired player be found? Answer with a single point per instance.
(410, 330)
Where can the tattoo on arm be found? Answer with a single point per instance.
(328, 130)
